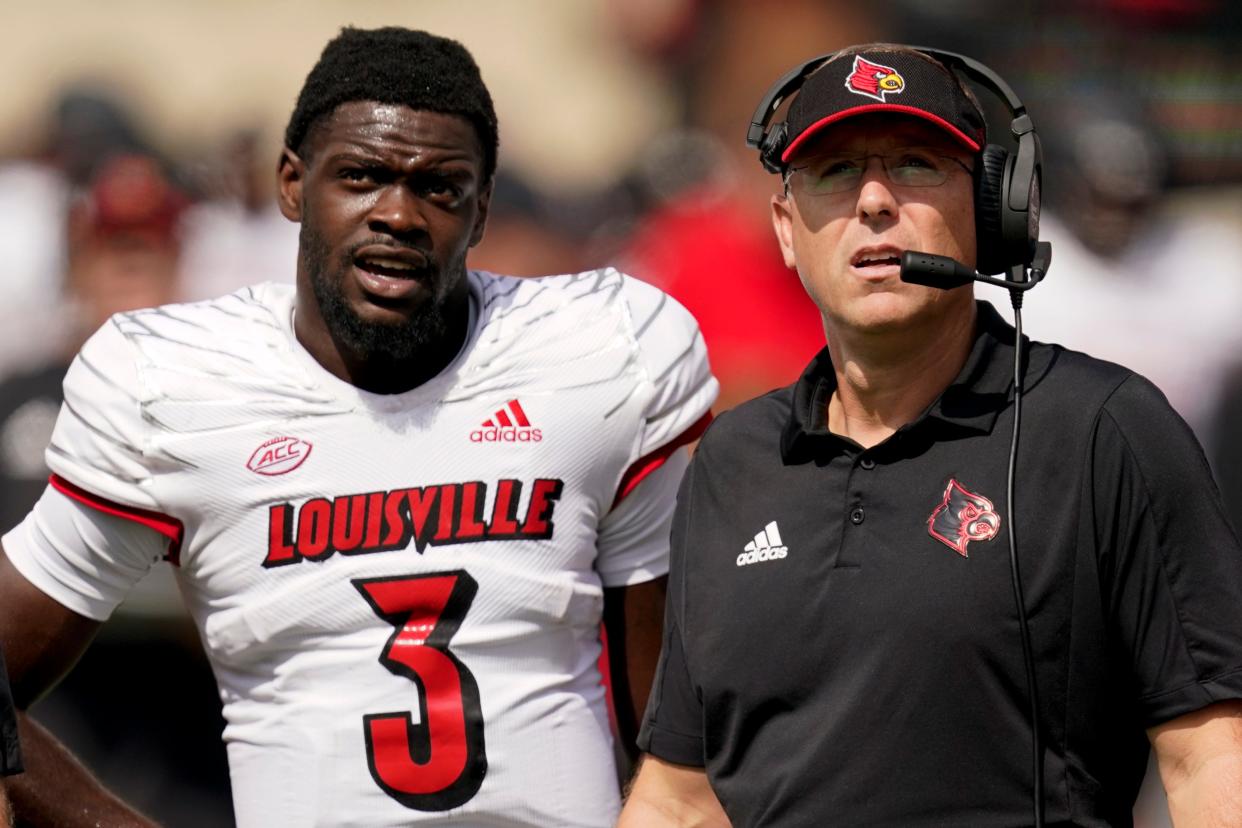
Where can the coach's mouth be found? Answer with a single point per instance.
(876, 262)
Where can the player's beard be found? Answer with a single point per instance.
(402, 340)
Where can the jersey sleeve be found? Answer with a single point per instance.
(1170, 565)
(85, 558)
(100, 435)
(674, 357)
(98, 527)
(633, 536)
(672, 726)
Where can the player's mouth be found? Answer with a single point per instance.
(392, 273)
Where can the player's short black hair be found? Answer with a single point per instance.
(394, 65)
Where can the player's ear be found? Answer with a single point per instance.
(290, 172)
(782, 223)
(480, 220)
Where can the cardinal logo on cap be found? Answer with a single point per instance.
(874, 80)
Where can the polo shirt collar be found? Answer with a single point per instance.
(972, 401)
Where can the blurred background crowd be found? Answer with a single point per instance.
(138, 143)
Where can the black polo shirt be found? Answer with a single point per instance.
(842, 644)
(10, 756)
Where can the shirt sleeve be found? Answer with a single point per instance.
(83, 557)
(674, 357)
(633, 536)
(100, 437)
(672, 727)
(10, 752)
(1170, 565)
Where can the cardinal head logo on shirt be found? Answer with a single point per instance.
(962, 517)
(874, 80)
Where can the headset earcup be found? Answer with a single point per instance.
(772, 147)
(1020, 227)
(989, 192)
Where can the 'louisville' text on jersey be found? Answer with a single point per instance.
(436, 515)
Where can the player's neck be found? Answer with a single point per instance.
(884, 382)
(381, 373)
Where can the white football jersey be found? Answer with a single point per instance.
(400, 594)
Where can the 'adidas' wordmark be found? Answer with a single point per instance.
(766, 546)
(508, 425)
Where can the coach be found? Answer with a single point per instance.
(842, 641)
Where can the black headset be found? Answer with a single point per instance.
(1006, 185)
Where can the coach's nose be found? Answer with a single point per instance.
(876, 199)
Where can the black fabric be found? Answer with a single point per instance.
(872, 675)
(847, 86)
(1225, 439)
(10, 752)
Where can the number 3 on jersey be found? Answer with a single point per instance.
(440, 762)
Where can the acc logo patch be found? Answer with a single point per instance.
(874, 80)
(962, 517)
(280, 455)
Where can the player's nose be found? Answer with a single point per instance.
(398, 211)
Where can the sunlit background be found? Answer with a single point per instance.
(138, 143)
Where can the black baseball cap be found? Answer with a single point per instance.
(901, 82)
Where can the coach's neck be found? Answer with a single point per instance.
(888, 377)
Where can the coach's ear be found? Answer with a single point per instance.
(782, 223)
(289, 173)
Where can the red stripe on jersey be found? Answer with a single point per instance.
(502, 417)
(516, 408)
(605, 674)
(169, 527)
(648, 463)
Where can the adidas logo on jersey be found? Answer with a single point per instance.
(766, 546)
(508, 425)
